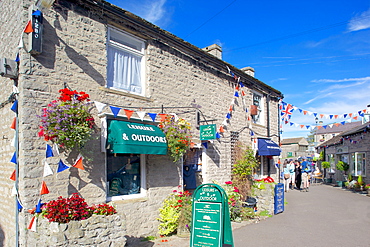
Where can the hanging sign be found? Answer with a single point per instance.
(208, 132)
(211, 226)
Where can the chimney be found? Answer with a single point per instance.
(248, 71)
(215, 50)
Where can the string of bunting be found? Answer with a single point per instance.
(287, 112)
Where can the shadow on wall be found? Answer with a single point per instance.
(93, 164)
(2, 237)
(48, 57)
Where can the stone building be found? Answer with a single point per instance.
(351, 147)
(294, 148)
(122, 62)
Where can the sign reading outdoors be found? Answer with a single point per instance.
(279, 198)
(208, 132)
(211, 226)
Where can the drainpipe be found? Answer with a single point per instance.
(268, 131)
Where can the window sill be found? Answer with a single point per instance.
(125, 199)
(114, 91)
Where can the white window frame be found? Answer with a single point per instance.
(260, 119)
(354, 164)
(140, 52)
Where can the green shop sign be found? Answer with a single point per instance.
(211, 226)
(208, 132)
(135, 138)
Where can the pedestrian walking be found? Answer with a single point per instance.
(298, 174)
(287, 177)
(306, 170)
(292, 174)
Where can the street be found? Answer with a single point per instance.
(324, 216)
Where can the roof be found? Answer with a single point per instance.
(338, 139)
(297, 140)
(338, 129)
(162, 35)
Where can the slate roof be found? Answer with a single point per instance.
(338, 129)
(338, 139)
(293, 141)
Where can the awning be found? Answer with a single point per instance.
(266, 147)
(135, 138)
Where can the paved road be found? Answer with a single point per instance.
(324, 217)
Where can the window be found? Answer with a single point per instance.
(358, 163)
(125, 175)
(257, 101)
(235, 146)
(125, 69)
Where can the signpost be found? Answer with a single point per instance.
(211, 226)
(279, 198)
(208, 132)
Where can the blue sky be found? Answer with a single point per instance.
(317, 53)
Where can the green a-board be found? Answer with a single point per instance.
(211, 226)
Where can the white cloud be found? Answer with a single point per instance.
(155, 11)
(360, 22)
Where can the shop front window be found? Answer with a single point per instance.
(124, 174)
(358, 164)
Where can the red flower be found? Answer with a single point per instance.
(228, 182)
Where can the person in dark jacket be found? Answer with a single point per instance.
(298, 174)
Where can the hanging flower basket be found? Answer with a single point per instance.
(177, 134)
(67, 121)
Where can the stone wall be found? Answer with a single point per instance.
(97, 230)
(74, 54)
(264, 194)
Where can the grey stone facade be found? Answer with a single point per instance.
(178, 74)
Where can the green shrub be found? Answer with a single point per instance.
(325, 164)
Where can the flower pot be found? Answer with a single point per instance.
(328, 180)
(340, 183)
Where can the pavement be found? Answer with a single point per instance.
(324, 216)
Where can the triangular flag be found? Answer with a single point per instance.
(14, 190)
(49, 151)
(14, 158)
(78, 164)
(21, 44)
(205, 144)
(62, 166)
(141, 115)
(251, 133)
(17, 59)
(44, 189)
(28, 28)
(19, 205)
(228, 116)
(174, 115)
(243, 93)
(331, 125)
(38, 206)
(343, 122)
(304, 112)
(355, 118)
(315, 114)
(308, 126)
(319, 127)
(325, 126)
(32, 224)
(99, 106)
(128, 113)
(14, 123)
(331, 116)
(237, 88)
(302, 126)
(236, 94)
(218, 136)
(115, 110)
(231, 108)
(345, 115)
(350, 114)
(47, 169)
(162, 116)
(322, 115)
(14, 107)
(14, 143)
(37, 13)
(13, 176)
(335, 116)
(55, 149)
(152, 116)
